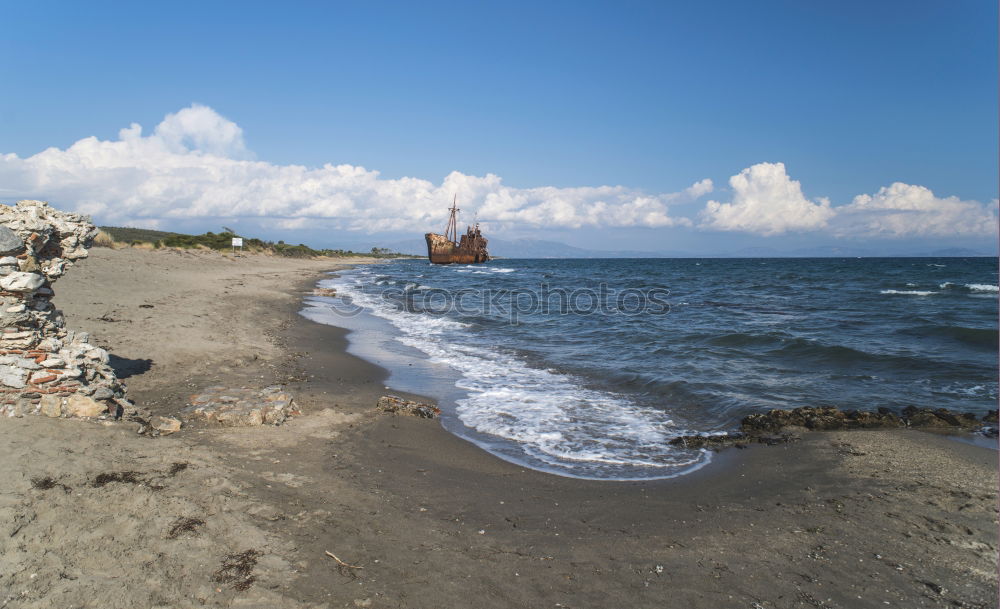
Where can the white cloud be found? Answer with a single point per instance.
(904, 210)
(766, 202)
(195, 164)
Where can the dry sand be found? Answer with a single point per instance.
(858, 519)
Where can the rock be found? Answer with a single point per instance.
(712, 441)
(165, 425)
(241, 407)
(30, 264)
(249, 417)
(827, 419)
(46, 243)
(20, 281)
(12, 376)
(82, 406)
(396, 405)
(735, 439)
(819, 419)
(10, 243)
(26, 363)
(102, 393)
(51, 405)
(43, 376)
(941, 418)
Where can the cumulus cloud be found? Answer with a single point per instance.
(766, 202)
(195, 165)
(904, 210)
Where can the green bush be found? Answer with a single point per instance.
(224, 241)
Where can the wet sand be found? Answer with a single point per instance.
(853, 519)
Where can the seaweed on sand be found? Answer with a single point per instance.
(184, 525)
(128, 477)
(48, 482)
(237, 569)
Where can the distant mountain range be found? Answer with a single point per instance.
(534, 248)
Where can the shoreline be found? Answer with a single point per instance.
(840, 519)
(424, 463)
(369, 346)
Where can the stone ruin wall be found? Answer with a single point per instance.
(45, 368)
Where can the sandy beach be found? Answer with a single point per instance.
(340, 507)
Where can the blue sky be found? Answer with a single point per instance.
(653, 97)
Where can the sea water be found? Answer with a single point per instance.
(588, 368)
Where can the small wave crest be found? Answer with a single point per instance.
(909, 292)
(982, 287)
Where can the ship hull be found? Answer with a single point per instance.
(440, 250)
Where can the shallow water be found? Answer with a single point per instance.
(588, 368)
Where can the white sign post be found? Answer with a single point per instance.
(237, 242)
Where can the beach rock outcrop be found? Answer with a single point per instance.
(778, 426)
(240, 407)
(734, 439)
(830, 419)
(392, 404)
(819, 419)
(941, 418)
(45, 368)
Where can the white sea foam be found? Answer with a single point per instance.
(478, 270)
(981, 287)
(910, 292)
(946, 285)
(557, 424)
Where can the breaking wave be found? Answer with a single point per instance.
(534, 417)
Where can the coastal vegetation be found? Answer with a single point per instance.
(114, 236)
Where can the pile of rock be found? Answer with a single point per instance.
(240, 407)
(779, 426)
(45, 368)
(828, 419)
(391, 404)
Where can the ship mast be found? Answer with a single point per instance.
(452, 231)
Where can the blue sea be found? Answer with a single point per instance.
(587, 368)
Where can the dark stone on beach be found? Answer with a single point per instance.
(735, 439)
(10, 243)
(941, 418)
(833, 419)
(773, 427)
(395, 405)
(818, 419)
(713, 441)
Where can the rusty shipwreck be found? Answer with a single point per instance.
(449, 249)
